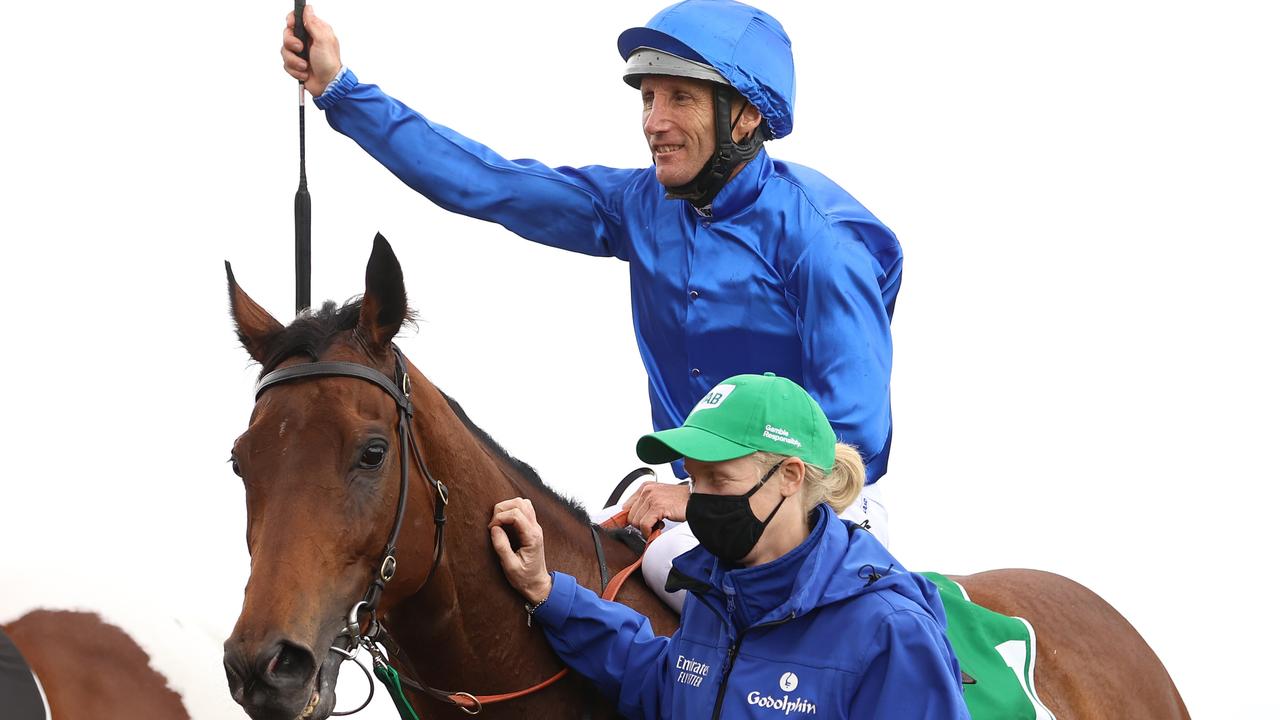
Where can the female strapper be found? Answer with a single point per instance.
(789, 608)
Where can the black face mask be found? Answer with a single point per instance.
(725, 524)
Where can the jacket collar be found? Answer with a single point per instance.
(842, 561)
(702, 573)
(743, 189)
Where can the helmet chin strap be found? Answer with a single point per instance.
(728, 155)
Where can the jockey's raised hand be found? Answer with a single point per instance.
(526, 566)
(654, 502)
(324, 60)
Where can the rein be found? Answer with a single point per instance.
(399, 389)
(618, 522)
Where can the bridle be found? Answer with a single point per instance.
(399, 389)
(400, 392)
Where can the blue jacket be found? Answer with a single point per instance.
(834, 630)
(789, 274)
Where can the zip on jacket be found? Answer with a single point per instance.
(679, 581)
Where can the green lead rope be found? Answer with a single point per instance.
(391, 679)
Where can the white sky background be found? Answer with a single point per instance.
(1085, 339)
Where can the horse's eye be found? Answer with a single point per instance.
(372, 457)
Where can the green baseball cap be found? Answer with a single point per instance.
(744, 414)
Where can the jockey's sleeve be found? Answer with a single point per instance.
(576, 209)
(609, 644)
(844, 300)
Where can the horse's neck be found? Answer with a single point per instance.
(467, 620)
(479, 478)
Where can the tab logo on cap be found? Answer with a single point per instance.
(714, 398)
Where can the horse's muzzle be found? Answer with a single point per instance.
(277, 682)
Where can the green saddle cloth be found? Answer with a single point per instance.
(996, 651)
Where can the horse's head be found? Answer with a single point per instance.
(320, 462)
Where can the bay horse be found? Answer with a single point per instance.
(325, 444)
(88, 668)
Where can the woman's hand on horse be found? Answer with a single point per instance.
(526, 565)
(655, 502)
(324, 61)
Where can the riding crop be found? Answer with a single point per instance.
(302, 198)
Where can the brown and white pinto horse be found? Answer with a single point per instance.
(90, 669)
(320, 462)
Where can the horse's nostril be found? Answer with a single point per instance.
(237, 672)
(290, 665)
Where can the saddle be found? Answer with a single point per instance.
(997, 657)
(23, 698)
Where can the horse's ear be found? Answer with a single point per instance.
(384, 306)
(254, 326)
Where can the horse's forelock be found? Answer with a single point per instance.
(311, 334)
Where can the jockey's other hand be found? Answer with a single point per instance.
(526, 565)
(323, 59)
(655, 502)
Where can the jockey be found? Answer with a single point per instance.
(739, 263)
(793, 610)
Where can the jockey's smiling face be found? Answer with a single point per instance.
(679, 126)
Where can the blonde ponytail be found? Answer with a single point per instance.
(841, 486)
(838, 488)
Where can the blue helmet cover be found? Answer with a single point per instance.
(745, 45)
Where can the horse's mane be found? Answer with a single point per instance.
(313, 333)
(526, 471)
